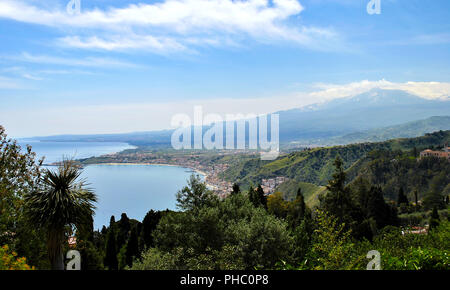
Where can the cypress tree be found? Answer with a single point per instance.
(236, 189)
(377, 207)
(252, 196)
(402, 197)
(149, 224)
(110, 260)
(260, 197)
(123, 230)
(132, 250)
(298, 210)
(337, 201)
(434, 219)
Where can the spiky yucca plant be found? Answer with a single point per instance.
(62, 203)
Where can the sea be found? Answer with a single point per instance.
(131, 189)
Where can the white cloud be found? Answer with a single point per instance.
(115, 118)
(76, 62)
(155, 44)
(171, 23)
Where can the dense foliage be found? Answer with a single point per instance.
(19, 175)
(316, 165)
(10, 261)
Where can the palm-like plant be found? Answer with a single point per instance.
(63, 202)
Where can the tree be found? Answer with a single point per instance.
(262, 196)
(132, 249)
(63, 202)
(433, 199)
(338, 201)
(378, 209)
(277, 206)
(110, 260)
(123, 228)
(434, 219)
(252, 196)
(149, 224)
(414, 152)
(402, 199)
(236, 189)
(332, 245)
(257, 237)
(90, 255)
(195, 195)
(19, 174)
(257, 197)
(298, 210)
(416, 197)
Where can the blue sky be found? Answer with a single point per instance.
(122, 66)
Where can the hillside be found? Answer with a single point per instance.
(407, 130)
(316, 165)
(392, 170)
(310, 191)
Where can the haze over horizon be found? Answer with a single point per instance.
(126, 66)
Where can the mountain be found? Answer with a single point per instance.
(324, 123)
(407, 130)
(374, 109)
(151, 138)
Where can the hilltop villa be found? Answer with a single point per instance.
(438, 154)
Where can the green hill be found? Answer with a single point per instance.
(316, 165)
(407, 130)
(310, 191)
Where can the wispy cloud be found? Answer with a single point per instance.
(170, 24)
(148, 42)
(422, 39)
(9, 83)
(32, 77)
(74, 62)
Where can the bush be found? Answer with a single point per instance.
(418, 259)
(10, 261)
(230, 228)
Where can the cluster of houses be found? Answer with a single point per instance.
(269, 185)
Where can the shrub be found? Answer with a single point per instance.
(10, 261)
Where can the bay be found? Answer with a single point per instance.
(132, 189)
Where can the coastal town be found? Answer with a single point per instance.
(210, 166)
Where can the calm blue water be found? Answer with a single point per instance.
(133, 189)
